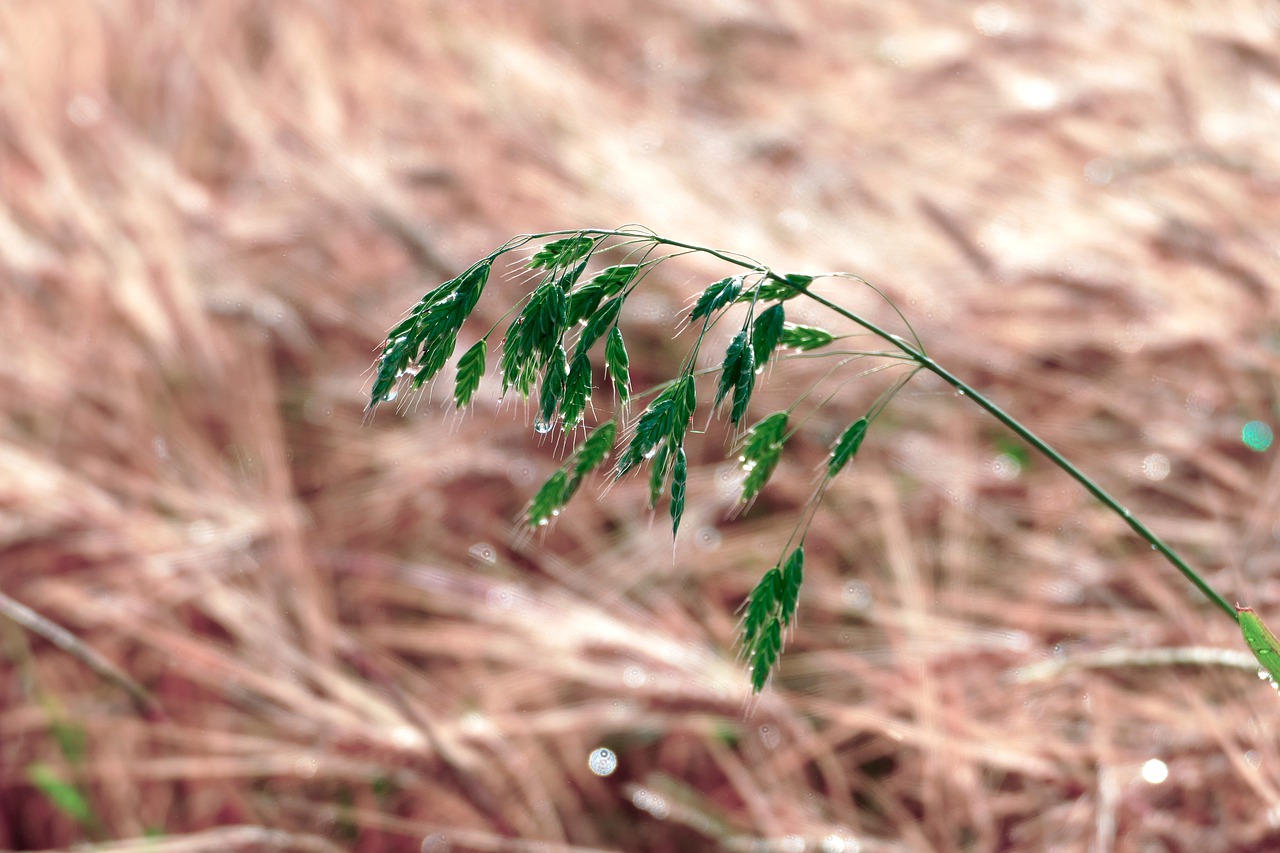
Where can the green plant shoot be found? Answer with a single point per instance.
(549, 344)
(1263, 643)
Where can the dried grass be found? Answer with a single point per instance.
(208, 215)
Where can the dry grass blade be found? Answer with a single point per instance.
(211, 213)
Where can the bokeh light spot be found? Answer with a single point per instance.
(1256, 436)
(1156, 466)
(1155, 771)
(602, 762)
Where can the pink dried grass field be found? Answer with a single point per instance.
(209, 214)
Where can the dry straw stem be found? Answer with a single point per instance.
(209, 211)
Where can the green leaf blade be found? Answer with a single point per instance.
(1263, 643)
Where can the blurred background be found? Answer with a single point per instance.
(238, 619)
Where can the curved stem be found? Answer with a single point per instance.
(1041, 445)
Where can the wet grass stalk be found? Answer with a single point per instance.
(546, 353)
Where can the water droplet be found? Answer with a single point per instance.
(499, 598)
(484, 552)
(857, 595)
(634, 676)
(520, 472)
(542, 426)
(602, 761)
(1006, 466)
(959, 392)
(436, 843)
(390, 395)
(708, 539)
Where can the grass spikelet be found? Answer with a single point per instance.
(792, 578)
(765, 655)
(777, 291)
(556, 492)
(618, 364)
(743, 386)
(601, 321)
(577, 390)
(583, 302)
(549, 500)
(737, 374)
(716, 296)
(679, 478)
(429, 334)
(766, 331)
(805, 338)
(470, 372)
(562, 253)
(667, 417)
(612, 280)
(533, 337)
(594, 450)
(761, 450)
(846, 446)
(553, 388)
(761, 606)
(434, 358)
(659, 466)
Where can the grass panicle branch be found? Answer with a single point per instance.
(548, 343)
